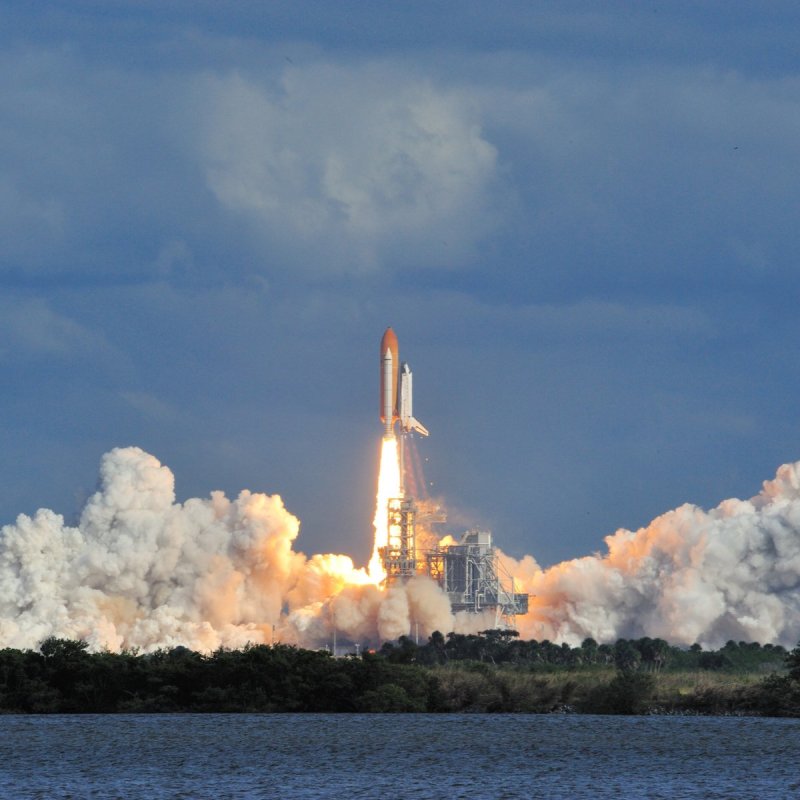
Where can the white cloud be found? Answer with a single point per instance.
(357, 166)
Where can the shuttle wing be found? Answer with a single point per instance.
(407, 421)
(412, 424)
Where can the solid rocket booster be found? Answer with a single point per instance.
(396, 390)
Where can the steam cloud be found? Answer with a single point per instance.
(141, 570)
(689, 576)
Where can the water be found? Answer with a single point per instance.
(397, 756)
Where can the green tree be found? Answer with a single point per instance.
(793, 663)
(630, 693)
(589, 651)
(626, 657)
(434, 652)
(389, 698)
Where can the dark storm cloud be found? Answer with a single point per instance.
(621, 179)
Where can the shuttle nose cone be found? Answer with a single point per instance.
(389, 342)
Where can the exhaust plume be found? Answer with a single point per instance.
(690, 576)
(143, 571)
(388, 487)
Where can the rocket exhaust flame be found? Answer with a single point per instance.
(388, 487)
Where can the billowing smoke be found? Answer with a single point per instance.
(140, 570)
(689, 576)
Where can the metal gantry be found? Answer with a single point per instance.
(471, 575)
(469, 572)
(399, 556)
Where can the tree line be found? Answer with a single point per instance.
(503, 647)
(493, 671)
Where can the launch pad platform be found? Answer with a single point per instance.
(468, 571)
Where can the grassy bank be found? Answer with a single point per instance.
(482, 688)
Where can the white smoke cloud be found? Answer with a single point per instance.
(690, 576)
(140, 570)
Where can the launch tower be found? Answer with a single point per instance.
(469, 572)
(473, 578)
(399, 557)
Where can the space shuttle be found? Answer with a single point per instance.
(396, 390)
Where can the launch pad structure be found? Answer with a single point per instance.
(468, 571)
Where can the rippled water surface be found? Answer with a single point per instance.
(397, 756)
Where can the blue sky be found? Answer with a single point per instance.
(580, 219)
